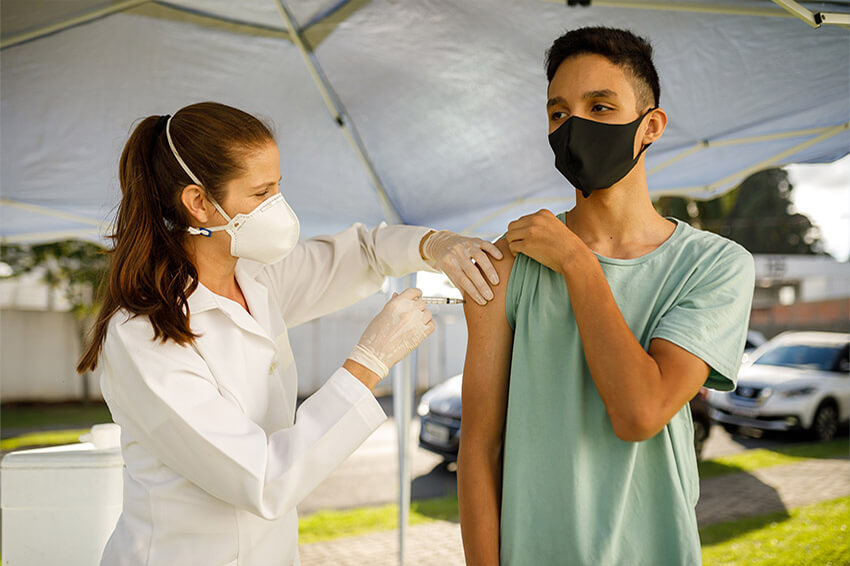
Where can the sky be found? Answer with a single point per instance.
(822, 192)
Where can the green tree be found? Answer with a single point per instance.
(758, 214)
(74, 266)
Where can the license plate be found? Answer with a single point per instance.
(436, 432)
(745, 412)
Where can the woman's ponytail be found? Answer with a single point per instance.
(151, 272)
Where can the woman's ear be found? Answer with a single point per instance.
(655, 126)
(196, 204)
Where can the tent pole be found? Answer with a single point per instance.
(814, 19)
(71, 22)
(338, 112)
(124, 7)
(403, 413)
(796, 10)
(705, 144)
(791, 9)
(50, 212)
(672, 6)
(770, 161)
(774, 159)
(29, 237)
(217, 18)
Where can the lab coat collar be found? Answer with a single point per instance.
(256, 295)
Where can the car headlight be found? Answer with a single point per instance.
(423, 408)
(798, 391)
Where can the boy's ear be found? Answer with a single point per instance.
(655, 125)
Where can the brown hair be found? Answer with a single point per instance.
(623, 48)
(150, 271)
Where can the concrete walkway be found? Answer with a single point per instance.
(723, 498)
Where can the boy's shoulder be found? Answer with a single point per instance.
(702, 243)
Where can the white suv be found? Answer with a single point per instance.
(798, 380)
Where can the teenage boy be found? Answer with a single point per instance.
(577, 439)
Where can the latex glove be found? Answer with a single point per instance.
(398, 329)
(463, 259)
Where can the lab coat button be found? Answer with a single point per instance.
(273, 367)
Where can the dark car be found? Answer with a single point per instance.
(702, 420)
(439, 414)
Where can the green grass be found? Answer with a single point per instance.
(817, 534)
(328, 525)
(48, 424)
(768, 457)
(46, 438)
(55, 416)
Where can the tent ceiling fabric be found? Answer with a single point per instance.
(448, 97)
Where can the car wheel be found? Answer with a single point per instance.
(825, 423)
(700, 434)
(731, 428)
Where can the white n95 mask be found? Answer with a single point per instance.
(266, 234)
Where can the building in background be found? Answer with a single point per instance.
(800, 292)
(40, 344)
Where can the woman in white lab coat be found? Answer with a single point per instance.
(193, 350)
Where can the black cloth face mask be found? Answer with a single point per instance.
(594, 155)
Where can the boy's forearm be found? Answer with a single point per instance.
(479, 495)
(616, 358)
(628, 378)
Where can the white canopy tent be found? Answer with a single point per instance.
(429, 112)
(442, 103)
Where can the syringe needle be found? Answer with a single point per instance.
(442, 301)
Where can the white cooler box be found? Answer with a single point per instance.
(60, 504)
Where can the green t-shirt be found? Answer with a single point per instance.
(573, 493)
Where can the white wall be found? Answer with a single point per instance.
(38, 352)
(39, 345)
(39, 348)
(321, 346)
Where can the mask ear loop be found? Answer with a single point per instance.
(645, 147)
(191, 229)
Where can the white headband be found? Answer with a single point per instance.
(192, 230)
(177, 155)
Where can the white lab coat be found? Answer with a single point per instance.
(216, 457)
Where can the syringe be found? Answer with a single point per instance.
(442, 301)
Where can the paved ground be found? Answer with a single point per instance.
(370, 475)
(722, 499)
(773, 489)
(432, 544)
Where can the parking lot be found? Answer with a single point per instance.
(370, 475)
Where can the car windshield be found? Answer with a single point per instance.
(803, 356)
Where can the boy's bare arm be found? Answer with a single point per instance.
(485, 394)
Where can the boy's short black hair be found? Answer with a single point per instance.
(621, 47)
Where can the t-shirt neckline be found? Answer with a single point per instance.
(677, 232)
